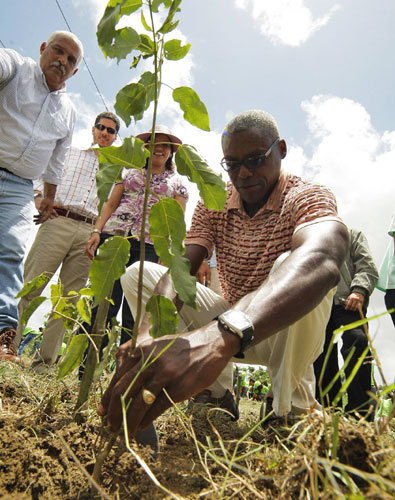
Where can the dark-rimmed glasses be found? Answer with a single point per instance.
(251, 162)
(102, 127)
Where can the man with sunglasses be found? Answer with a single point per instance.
(60, 240)
(279, 244)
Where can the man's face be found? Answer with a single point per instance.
(254, 186)
(58, 61)
(103, 137)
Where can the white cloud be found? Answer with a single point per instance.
(94, 8)
(357, 162)
(287, 22)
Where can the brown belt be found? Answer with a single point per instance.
(73, 215)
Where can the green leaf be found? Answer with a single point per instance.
(131, 154)
(34, 284)
(168, 24)
(108, 266)
(106, 175)
(130, 101)
(174, 51)
(148, 80)
(156, 3)
(184, 284)
(167, 229)
(144, 22)
(168, 27)
(31, 307)
(129, 6)
(135, 62)
(112, 160)
(86, 291)
(106, 28)
(163, 316)
(84, 309)
(211, 187)
(195, 111)
(74, 355)
(66, 310)
(125, 40)
(147, 45)
(56, 293)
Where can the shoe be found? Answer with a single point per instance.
(7, 350)
(227, 402)
(273, 420)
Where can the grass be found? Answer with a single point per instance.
(44, 454)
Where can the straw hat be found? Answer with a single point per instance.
(162, 129)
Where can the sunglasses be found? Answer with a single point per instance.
(251, 162)
(102, 127)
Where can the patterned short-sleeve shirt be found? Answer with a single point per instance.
(128, 216)
(246, 248)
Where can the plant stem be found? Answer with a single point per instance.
(146, 192)
(98, 331)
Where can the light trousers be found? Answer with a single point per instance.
(288, 355)
(59, 242)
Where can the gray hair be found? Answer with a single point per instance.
(71, 36)
(254, 118)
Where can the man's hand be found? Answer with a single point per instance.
(353, 300)
(189, 363)
(46, 211)
(204, 274)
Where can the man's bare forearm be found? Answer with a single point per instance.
(49, 191)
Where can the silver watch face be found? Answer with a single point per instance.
(236, 320)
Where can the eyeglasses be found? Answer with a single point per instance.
(102, 127)
(251, 162)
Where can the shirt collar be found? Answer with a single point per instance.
(272, 204)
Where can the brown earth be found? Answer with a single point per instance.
(38, 437)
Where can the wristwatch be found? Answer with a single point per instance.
(239, 324)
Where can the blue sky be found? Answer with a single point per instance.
(323, 69)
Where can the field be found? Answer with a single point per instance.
(44, 454)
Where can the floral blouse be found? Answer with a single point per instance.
(128, 216)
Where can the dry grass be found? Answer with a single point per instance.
(203, 455)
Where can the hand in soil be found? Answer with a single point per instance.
(191, 363)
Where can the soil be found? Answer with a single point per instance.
(38, 439)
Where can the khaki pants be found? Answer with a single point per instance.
(59, 242)
(288, 354)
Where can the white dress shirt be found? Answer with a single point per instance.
(36, 125)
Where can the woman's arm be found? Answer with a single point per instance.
(108, 209)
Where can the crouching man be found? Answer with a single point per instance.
(279, 245)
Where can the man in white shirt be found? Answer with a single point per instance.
(36, 125)
(61, 240)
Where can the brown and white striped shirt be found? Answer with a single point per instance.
(246, 248)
